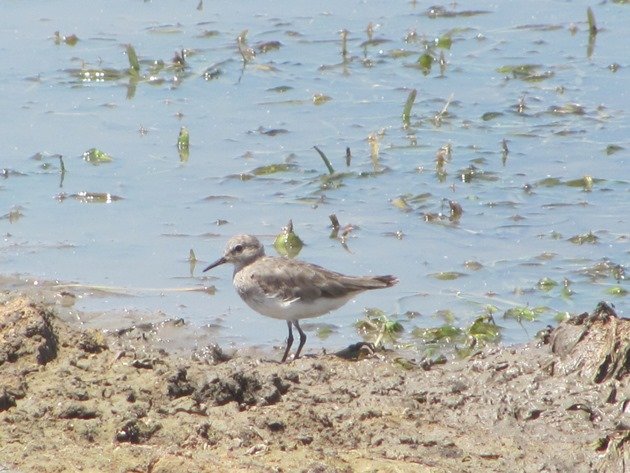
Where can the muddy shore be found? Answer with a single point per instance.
(82, 400)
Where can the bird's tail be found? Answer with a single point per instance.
(387, 281)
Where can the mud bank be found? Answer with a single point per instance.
(77, 400)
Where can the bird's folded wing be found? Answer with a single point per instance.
(292, 280)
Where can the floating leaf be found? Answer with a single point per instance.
(440, 11)
(92, 197)
(586, 182)
(265, 68)
(323, 332)
(524, 313)
(447, 275)
(268, 46)
(546, 284)
(280, 89)
(212, 73)
(605, 269)
(272, 131)
(490, 309)
(473, 265)
(287, 243)
(484, 330)
(404, 363)
(522, 70)
(406, 115)
(333, 181)
(584, 238)
(401, 204)
(398, 53)
(419, 198)
(378, 326)
(96, 156)
(271, 169)
(13, 216)
(617, 291)
(134, 65)
(425, 62)
(472, 172)
(567, 109)
(165, 29)
(526, 72)
(69, 40)
(612, 149)
(320, 99)
(444, 41)
(446, 333)
(209, 34)
(97, 75)
(445, 314)
(549, 182)
(490, 116)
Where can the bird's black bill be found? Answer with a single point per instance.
(218, 262)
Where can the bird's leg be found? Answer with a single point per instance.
(289, 342)
(302, 338)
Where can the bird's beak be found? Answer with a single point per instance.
(216, 263)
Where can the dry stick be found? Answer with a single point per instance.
(344, 43)
(335, 221)
(439, 116)
(504, 151)
(62, 172)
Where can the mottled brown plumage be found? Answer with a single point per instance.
(288, 289)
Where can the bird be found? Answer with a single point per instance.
(289, 289)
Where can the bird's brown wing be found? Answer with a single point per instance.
(292, 279)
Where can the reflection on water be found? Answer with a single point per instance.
(505, 173)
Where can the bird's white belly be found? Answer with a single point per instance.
(295, 309)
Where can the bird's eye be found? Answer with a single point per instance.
(238, 249)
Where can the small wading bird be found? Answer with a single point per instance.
(287, 289)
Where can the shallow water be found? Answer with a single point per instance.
(520, 207)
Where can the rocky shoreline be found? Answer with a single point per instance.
(82, 400)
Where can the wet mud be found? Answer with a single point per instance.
(84, 400)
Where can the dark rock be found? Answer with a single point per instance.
(145, 364)
(7, 401)
(596, 345)
(27, 330)
(77, 411)
(276, 426)
(178, 385)
(136, 431)
(92, 342)
(246, 389)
